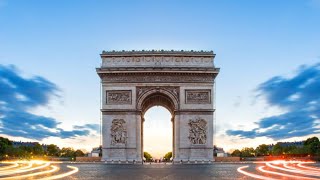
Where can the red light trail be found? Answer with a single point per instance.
(291, 169)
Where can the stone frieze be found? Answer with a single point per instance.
(118, 97)
(198, 96)
(157, 61)
(158, 78)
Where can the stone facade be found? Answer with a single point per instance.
(134, 81)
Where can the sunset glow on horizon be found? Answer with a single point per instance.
(157, 132)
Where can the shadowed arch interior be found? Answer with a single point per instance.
(158, 99)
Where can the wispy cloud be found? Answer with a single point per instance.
(19, 95)
(299, 96)
(94, 127)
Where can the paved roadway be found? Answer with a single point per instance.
(158, 171)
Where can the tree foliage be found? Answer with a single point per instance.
(7, 150)
(236, 153)
(147, 156)
(310, 147)
(67, 152)
(313, 146)
(262, 150)
(53, 150)
(78, 153)
(4, 145)
(247, 152)
(168, 156)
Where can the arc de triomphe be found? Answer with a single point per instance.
(134, 81)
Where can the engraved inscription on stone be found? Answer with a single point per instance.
(198, 96)
(118, 132)
(198, 131)
(119, 97)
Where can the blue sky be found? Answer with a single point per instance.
(255, 41)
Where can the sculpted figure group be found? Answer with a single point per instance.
(197, 131)
(118, 132)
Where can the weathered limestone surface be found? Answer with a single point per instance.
(134, 81)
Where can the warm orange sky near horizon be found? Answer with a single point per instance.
(157, 132)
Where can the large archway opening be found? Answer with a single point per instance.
(157, 107)
(158, 129)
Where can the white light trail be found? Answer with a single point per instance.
(283, 169)
(75, 170)
(294, 171)
(10, 166)
(307, 167)
(14, 171)
(261, 168)
(53, 169)
(240, 169)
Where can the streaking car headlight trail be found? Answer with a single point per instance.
(35, 169)
(285, 169)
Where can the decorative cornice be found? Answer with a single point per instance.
(150, 71)
(157, 52)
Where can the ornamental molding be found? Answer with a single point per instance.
(141, 77)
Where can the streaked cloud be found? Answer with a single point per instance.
(94, 127)
(298, 96)
(19, 95)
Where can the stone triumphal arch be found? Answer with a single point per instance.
(134, 81)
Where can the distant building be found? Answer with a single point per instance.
(219, 152)
(96, 152)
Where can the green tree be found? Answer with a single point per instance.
(67, 152)
(168, 156)
(24, 152)
(247, 152)
(299, 150)
(78, 153)
(262, 150)
(4, 145)
(147, 156)
(277, 150)
(313, 146)
(53, 150)
(236, 153)
(37, 150)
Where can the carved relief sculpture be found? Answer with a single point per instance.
(118, 132)
(198, 96)
(119, 97)
(198, 131)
